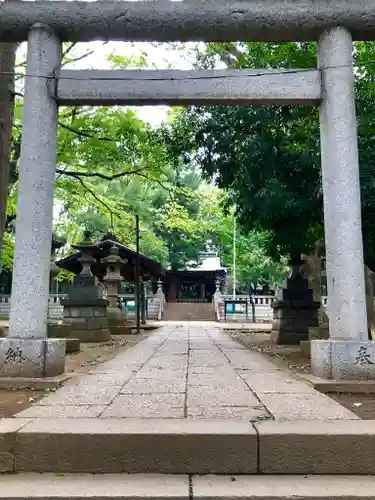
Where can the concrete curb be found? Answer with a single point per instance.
(181, 487)
(37, 384)
(180, 446)
(339, 386)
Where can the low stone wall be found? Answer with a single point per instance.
(263, 309)
(154, 306)
(262, 304)
(56, 310)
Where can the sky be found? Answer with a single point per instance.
(161, 56)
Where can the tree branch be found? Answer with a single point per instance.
(69, 49)
(96, 197)
(86, 134)
(76, 59)
(78, 175)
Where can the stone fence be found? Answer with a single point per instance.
(259, 308)
(154, 306)
(259, 312)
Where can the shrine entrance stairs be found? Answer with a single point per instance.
(188, 311)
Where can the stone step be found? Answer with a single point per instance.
(182, 487)
(103, 486)
(187, 446)
(283, 487)
(188, 311)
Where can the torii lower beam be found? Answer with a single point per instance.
(175, 87)
(207, 20)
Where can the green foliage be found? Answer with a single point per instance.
(103, 183)
(8, 252)
(112, 165)
(268, 159)
(63, 275)
(253, 264)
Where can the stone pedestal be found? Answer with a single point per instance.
(87, 319)
(85, 309)
(343, 360)
(32, 358)
(296, 311)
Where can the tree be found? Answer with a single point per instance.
(112, 165)
(268, 158)
(7, 62)
(253, 264)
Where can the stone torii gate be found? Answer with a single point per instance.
(45, 25)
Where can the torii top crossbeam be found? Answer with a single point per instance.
(206, 20)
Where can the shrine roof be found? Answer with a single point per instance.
(149, 267)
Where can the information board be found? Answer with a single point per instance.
(235, 307)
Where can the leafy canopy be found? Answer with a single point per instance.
(268, 159)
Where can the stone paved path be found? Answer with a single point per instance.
(188, 371)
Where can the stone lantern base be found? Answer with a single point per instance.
(117, 323)
(292, 320)
(32, 358)
(87, 319)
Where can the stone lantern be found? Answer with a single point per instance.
(85, 309)
(112, 279)
(296, 311)
(159, 290)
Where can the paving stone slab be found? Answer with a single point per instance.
(276, 382)
(146, 406)
(316, 447)
(155, 386)
(166, 446)
(306, 406)
(223, 380)
(56, 411)
(82, 486)
(160, 374)
(82, 395)
(103, 369)
(114, 379)
(210, 370)
(202, 396)
(283, 487)
(249, 413)
(165, 364)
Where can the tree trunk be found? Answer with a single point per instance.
(7, 63)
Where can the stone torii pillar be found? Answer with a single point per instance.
(347, 354)
(27, 352)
